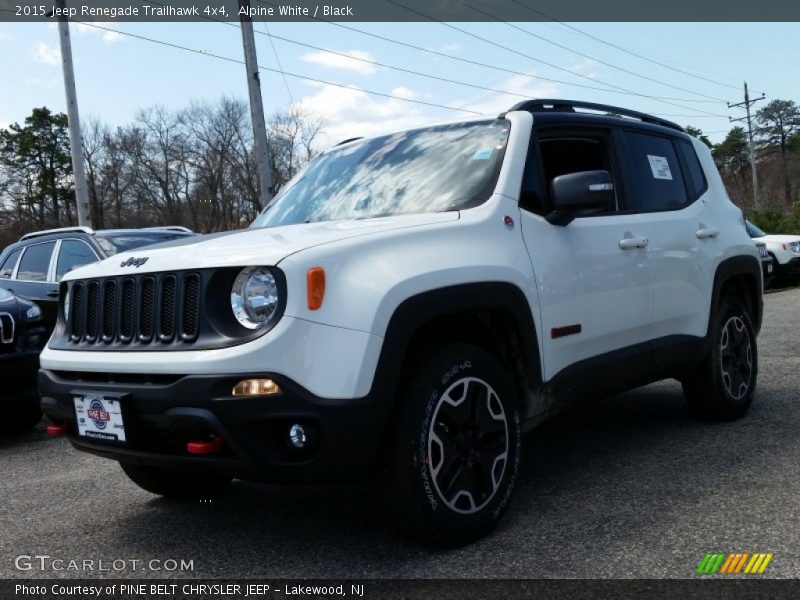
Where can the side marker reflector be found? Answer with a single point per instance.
(315, 287)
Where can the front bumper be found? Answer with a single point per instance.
(18, 377)
(163, 413)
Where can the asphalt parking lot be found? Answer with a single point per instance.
(630, 487)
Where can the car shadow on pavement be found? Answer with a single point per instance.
(9, 436)
(597, 474)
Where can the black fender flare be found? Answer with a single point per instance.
(736, 266)
(426, 306)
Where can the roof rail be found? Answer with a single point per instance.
(550, 105)
(170, 228)
(36, 234)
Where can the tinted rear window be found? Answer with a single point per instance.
(655, 171)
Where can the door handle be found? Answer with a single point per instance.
(704, 234)
(631, 243)
(53, 294)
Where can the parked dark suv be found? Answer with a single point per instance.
(22, 336)
(34, 266)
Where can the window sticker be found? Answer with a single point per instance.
(484, 154)
(660, 167)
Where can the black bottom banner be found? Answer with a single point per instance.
(568, 589)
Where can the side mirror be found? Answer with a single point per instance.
(580, 193)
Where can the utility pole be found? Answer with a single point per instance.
(256, 105)
(75, 139)
(747, 104)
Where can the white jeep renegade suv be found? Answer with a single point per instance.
(408, 306)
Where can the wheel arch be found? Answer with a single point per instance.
(500, 320)
(739, 275)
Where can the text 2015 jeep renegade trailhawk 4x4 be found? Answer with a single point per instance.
(409, 305)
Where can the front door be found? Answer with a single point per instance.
(594, 275)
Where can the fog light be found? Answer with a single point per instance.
(297, 436)
(256, 387)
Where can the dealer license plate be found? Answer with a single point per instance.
(99, 417)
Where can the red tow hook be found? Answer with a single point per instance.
(205, 447)
(57, 429)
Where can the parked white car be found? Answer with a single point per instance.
(784, 249)
(408, 306)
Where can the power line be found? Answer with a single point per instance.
(551, 65)
(411, 71)
(404, 70)
(430, 76)
(597, 60)
(304, 77)
(278, 61)
(471, 62)
(620, 48)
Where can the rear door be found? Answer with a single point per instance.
(667, 186)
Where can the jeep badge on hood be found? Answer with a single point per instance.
(134, 262)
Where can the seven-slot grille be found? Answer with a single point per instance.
(762, 250)
(154, 309)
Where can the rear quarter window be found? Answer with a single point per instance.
(7, 268)
(696, 179)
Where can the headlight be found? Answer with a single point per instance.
(795, 247)
(254, 297)
(34, 313)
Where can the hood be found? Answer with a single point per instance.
(267, 246)
(778, 239)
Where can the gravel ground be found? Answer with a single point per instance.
(629, 487)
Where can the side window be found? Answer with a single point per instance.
(7, 268)
(73, 254)
(694, 171)
(35, 262)
(655, 172)
(563, 155)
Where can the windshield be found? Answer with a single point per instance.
(436, 169)
(753, 231)
(113, 244)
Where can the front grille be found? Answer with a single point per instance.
(762, 250)
(151, 310)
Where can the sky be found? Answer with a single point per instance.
(117, 75)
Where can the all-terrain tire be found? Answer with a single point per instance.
(723, 386)
(454, 449)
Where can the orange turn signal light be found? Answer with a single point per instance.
(315, 287)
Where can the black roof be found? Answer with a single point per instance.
(603, 112)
